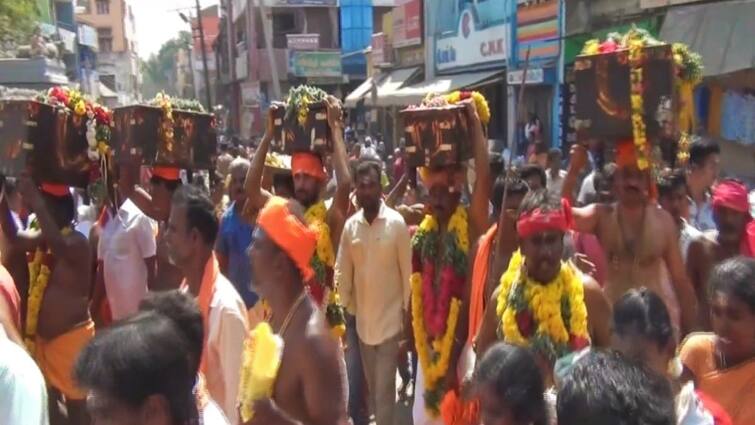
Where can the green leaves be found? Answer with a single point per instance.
(17, 21)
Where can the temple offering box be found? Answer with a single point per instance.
(604, 89)
(436, 136)
(45, 140)
(301, 122)
(176, 138)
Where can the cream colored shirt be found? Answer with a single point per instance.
(227, 329)
(372, 271)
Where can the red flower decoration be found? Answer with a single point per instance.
(525, 323)
(608, 46)
(578, 343)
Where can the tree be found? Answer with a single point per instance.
(159, 71)
(17, 20)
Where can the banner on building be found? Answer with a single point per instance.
(303, 41)
(315, 63)
(280, 3)
(537, 30)
(652, 4)
(479, 35)
(381, 49)
(407, 23)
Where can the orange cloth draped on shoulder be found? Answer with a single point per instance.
(206, 291)
(289, 233)
(725, 386)
(479, 278)
(56, 359)
(308, 164)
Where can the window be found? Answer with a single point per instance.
(283, 23)
(103, 7)
(84, 6)
(105, 39)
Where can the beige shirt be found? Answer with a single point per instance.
(227, 329)
(372, 272)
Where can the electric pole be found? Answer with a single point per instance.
(204, 58)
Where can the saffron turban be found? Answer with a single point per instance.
(288, 232)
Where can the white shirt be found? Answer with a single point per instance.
(372, 272)
(227, 328)
(554, 184)
(23, 393)
(126, 241)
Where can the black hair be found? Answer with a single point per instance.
(284, 180)
(369, 166)
(63, 205)
(540, 199)
(513, 374)
(530, 170)
(200, 211)
(735, 277)
(170, 185)
(605, 388)
(554, 152)
(671, 181)
(517, 186)
(140, 357)
(607, 172)
(642, 312)
(701, 149)
(183, 310)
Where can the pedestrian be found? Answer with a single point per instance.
(23, 394)
(555, 174)
(375, 242)
(704, 167)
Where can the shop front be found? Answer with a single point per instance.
(472, 47)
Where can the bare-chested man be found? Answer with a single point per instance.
(639, 238)
(493, 250)
(436, 248)
(63, 323)
(541, 225)
(310, 180)
(310, 388)
(734, 235)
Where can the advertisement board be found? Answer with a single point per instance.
(480, 37)
(407, 23)
(538, 30)
(315, 63)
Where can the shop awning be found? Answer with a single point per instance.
(722, 32)
(414, 94)
(387, 84)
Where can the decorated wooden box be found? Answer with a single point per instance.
(48, 142)
(436, 136)
(184, 140)
(306, 133)
(603, 90)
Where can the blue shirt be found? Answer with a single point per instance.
(234, 238)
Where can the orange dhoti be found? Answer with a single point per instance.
(56, 359)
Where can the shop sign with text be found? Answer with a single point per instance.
(407, 23)
(315, 64)
(475, 41)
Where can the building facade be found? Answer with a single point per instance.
(117, 59)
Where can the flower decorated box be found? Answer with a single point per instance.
(604, 88)
(45, 140)
(308, 132)
(186, 139)
(436, 136)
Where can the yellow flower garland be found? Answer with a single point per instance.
(638, 120)
(316, 217)
(434, 356)
(263, 351)
(545, 302)
(39, 277)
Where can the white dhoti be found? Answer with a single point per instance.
(419, 413)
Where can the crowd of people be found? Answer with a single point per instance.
(534, 295)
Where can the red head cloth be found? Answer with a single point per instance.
(308, 164)
(57, 190)
(289, 233)
(537, 221)
(626, 155)
(733, 195)
(167, 173)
